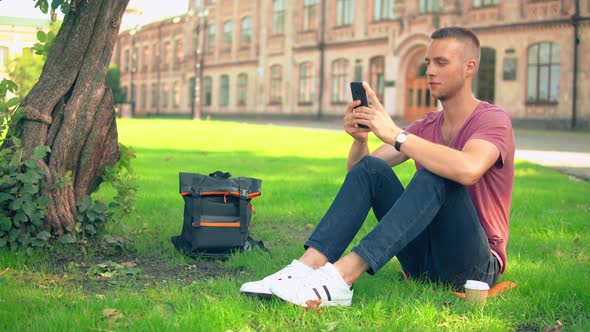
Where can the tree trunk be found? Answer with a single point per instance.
(71, 109)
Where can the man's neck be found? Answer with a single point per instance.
(459, 108)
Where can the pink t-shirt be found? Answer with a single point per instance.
(492, 193)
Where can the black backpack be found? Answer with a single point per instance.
(217, 214)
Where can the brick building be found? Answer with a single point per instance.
(18, 35)
(296, 58)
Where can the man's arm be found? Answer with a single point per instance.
(465, 166)
(386, 152)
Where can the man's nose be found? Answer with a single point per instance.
(429, 71)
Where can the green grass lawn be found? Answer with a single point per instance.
(548, 251)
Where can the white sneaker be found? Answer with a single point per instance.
(295, 270)
(325, 284)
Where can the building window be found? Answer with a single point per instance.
(543, 73)
(198, 3)
(358, 70)
(178, 52)
(165, 92)
(306, 87)
(276, 84)
(427, 6)
(176, 94)
(246, 30)
(154, 95)
(134, 59)
(242, 88)
(278, 17)
(344, 12)
(127, 61)
(383, 10)
(125, 92)
(211, 37)
(339, 81)
(227, 33)
(144, 58)
(224, 90)
(167, 53)
(377, 75)
(143, 96)
(155, 55)
(310, 14)
(484, 3)
(133, 96)
(208, 88)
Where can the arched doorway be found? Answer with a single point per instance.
(418, 101)
(484, 83)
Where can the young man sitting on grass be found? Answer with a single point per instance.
(450, 223)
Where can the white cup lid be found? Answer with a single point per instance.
(476, 285)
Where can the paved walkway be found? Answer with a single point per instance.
(565, 151)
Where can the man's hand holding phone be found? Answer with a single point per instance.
(359, 93)
(373, 117)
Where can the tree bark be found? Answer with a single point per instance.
(71, 109)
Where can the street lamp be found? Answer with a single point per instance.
(199, 61)
(133, 68)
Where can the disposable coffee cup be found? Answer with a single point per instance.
(476, 292)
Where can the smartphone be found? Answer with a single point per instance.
(359, 93)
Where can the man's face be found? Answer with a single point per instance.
(447, 66)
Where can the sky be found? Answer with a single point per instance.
(153, 10)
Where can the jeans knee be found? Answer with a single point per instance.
(371, 164)
(428, 178)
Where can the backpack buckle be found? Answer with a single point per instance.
(244, 193)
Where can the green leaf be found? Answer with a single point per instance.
(16, 204)
(3, 242)
(37, 218)
(65, 8)
(43, 201)
(45, 236)
(5, 197)
(11, 102)
(40, 152)
(55, 4)
(100, 207)
(19, 218)
(24, 239)
(68, 238)
(12, 87)
(38, 243)
(41, 36)
(30, 188)
(43, 5)
(84, 204)
(90, 229)
(5, 224)
(29, 208)
(31, 163)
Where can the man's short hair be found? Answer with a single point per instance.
(459, 33)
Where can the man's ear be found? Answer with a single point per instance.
(471, 67)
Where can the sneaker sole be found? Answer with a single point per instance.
(343, 303)
(260, 295)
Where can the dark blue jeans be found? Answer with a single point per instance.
(431, 226)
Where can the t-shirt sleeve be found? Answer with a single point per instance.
(414, 127)
(495, 127)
